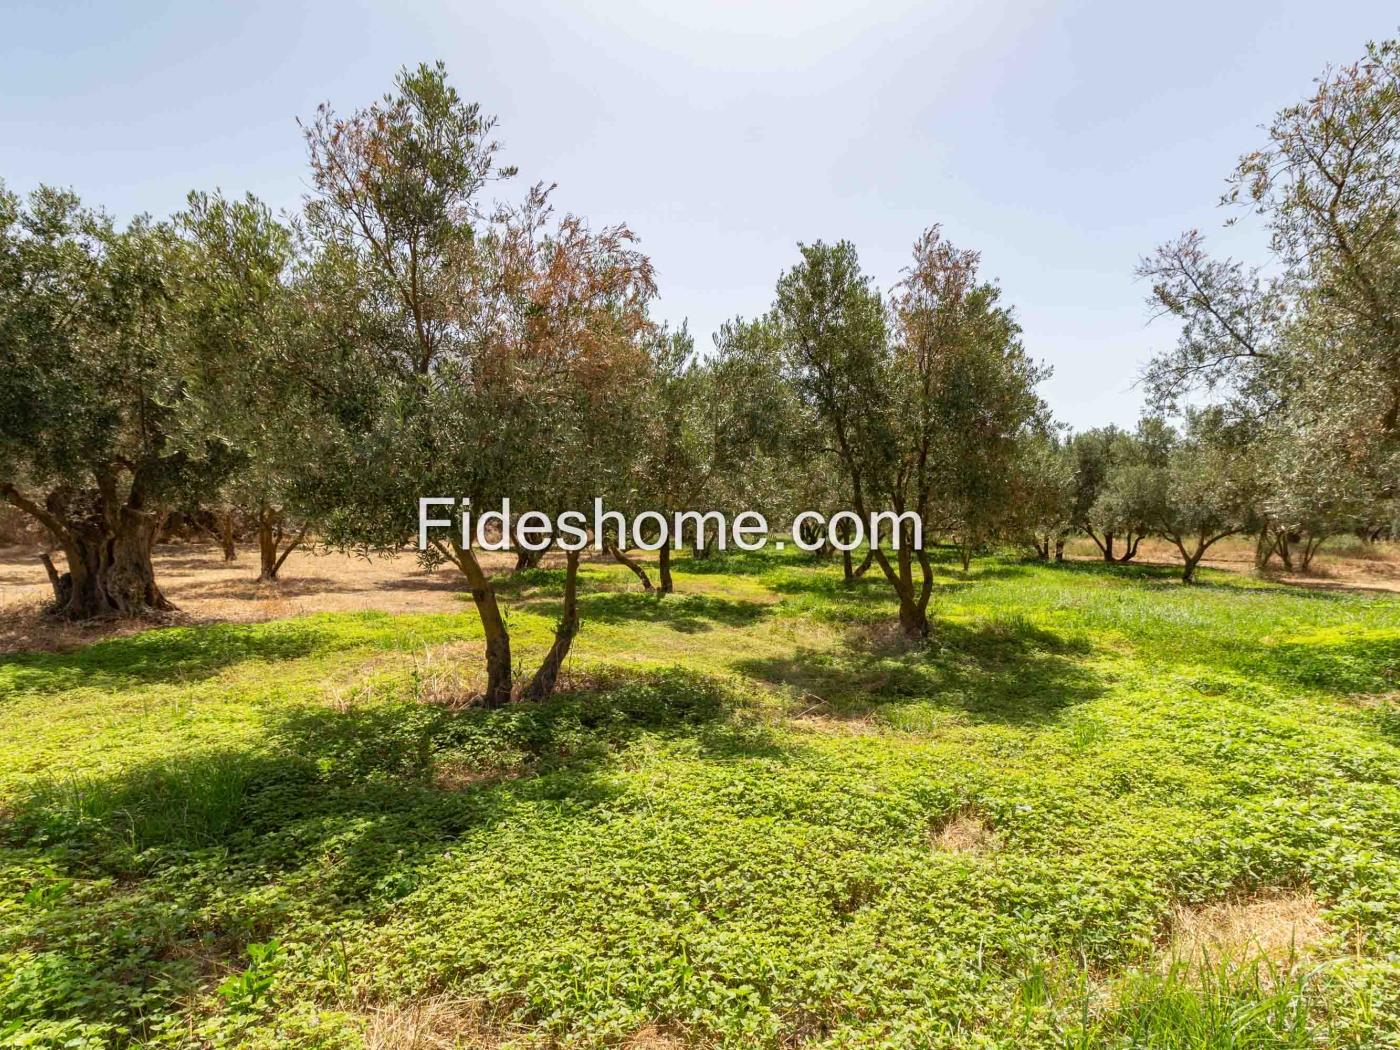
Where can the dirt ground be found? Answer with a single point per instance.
(206, 588)
(1347, 565)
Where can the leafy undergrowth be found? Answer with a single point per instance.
(755, 817)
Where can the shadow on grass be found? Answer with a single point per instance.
(687, 613)
(684, 613)
(1003, 670)
(741, 563)
(167, 654)
(333, 814)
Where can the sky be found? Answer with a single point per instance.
(1062, 140)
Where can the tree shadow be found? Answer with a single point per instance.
(164, 654)
(741, 563)
(683, 613)
(1002, 670)
(330, 815)
(249, 586)
(1367, 665)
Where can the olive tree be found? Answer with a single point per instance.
(242, 303)
(101, 403)
(840, 363)
(1040, 507)
(486, 353)
(922, 403)
(1205, 487)
(1108, 505)
(1310, 353)
(963, 387)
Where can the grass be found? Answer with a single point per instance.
(755, 817)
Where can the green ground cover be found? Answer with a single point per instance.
(729, 830)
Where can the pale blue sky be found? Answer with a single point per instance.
(1063, 140)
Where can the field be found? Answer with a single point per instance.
(1099, 809)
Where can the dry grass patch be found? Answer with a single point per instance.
(454, 775)
(442, 675)
(652, 1038)
(1280, 928)
(443, 1022)
(965, 831)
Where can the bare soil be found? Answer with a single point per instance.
(1350, 566)
(206, 588)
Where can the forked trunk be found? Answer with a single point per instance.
(913, 604)
(547, 677)
(1130, 547)
(271, 553)
(1311, 544)
(1264, 548)
(913, 621)
(864, 565)
(1188, 572)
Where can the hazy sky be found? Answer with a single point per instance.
(1063, 140)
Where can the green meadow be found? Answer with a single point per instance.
(753, 816)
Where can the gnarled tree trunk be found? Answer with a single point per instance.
(109, 568)
(913, 602)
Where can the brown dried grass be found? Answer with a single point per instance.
(443, 1022)
(964, 831)
(1280, 927)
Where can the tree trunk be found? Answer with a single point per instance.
(913, 609)
(1264, 548)
(965, 554)
(271, 553)
(62, 584)
(1108, 546)
(1310, 547)
(1060, 548)
(663, 569)
(110, 571)
(267, 545)
(864, 565)
(1130, 547)
(632, 563)
(527, 559)
(226, 535)
(493, 626)
(848, 571)
(913, 621)
(547, 677)
(1188, 572)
